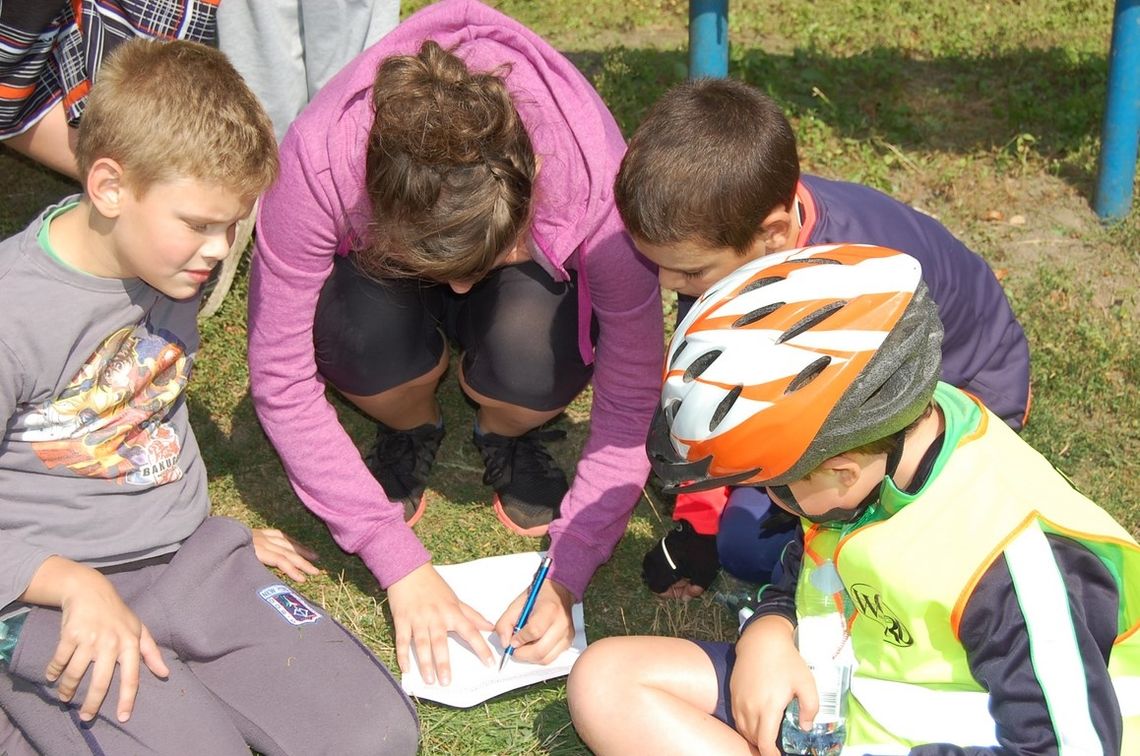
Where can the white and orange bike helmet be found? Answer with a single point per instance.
(792, 359)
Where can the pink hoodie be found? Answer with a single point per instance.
(318, 208)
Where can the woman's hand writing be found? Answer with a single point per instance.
(548, 632)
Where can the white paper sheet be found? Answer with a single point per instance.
(488, 586)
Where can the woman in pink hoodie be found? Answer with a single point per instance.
(454, 182)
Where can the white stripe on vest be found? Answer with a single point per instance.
(1052, 640)
(924, 715)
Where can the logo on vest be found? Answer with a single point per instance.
(870, 603)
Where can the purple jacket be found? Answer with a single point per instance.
(318, 208)
(984, 350)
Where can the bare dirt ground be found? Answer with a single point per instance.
(1021, 223)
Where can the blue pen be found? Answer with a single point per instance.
(539, 579)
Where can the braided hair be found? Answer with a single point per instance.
(450, 169)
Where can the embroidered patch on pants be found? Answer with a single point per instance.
(289, 605)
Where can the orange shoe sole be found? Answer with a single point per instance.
(536, 532)
(419, 511)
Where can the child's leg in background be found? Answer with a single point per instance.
(654, 695)
(263, 41)
(287, 49)
(753, 533)
(335, 33)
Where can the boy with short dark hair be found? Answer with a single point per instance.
(107, 552)
(712, 180)
(985, 605)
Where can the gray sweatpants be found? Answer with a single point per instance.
(286, 50)
(251, 662)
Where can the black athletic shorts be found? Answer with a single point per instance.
(517, 330)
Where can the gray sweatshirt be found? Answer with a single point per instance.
(97, 461)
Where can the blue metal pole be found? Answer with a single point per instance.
(708, 38)
(1121, 131)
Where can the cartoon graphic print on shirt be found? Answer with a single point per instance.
(111, 419)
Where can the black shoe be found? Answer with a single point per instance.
(528, 485)
(401, 461)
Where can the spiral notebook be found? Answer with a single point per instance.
(489, 586)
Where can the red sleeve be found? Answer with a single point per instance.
(701, 510)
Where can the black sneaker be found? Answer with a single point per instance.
(401, 461)
(528, 485)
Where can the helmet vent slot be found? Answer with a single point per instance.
(761, 312)
(811, 320)
(677, 354)
(671, 410)
(759, 283)
(819, 261)
(724, 406)
(808, 374)
(700, 365)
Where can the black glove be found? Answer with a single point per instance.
(682, 553)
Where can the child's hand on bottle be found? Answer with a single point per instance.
(98, 632)
(768, 674)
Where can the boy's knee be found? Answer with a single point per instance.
(592, 674)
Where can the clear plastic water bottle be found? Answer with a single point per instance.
(825, 737)
(823, 642)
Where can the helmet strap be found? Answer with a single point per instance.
(894, 457)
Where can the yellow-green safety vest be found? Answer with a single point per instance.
(910, 564)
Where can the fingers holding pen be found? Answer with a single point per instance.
(549, 630)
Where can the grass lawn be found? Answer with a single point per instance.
(984, 114)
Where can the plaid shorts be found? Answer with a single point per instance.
(50, 49)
